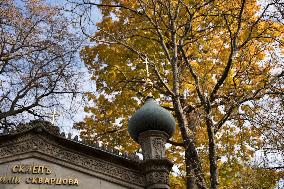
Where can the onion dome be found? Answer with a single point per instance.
(151, 116)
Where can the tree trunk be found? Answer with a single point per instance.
(190, 178)
(194, 174)
(212, 154)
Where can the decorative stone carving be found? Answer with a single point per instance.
(37, 123)
(156, 166)
(153, 144)
(45, 145)
(158, 147)
(157, 178)
(40, 125)
(157, 172)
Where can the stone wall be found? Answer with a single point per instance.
(34, 173)
(36, 158)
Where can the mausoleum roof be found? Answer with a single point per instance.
(41, 141)
(45, 127)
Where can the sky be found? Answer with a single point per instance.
(65, 121)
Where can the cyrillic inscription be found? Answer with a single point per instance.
(36, 170)
(31, 169)
(9, 180)
(52, 181)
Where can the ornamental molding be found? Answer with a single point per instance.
(44, 146)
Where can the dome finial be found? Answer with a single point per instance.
(148, 82)
(151, 116)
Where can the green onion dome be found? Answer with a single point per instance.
(151, 116)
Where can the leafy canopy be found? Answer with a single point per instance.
(225, 60)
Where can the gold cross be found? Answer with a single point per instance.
(147, 69)
(148, 83)
(54, 115)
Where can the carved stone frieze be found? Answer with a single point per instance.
(155, 165)
(146, 148)
(41, 125)
(153, 144)
(157, 172)
(37, 123)
(43, 144)
(157, 178)
(158, 147)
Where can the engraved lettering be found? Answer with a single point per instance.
(29, 170)
(76, 182)
(46, 181)
(21, 169)
(58, 181)
(35, 169)
(48, 171)
(17, 180)
(40, 169)
(9, 180)
(65, 181)
(15, 168)
(70, 181)
(40, 180)
(52, 181)
(34, 181)
(28, 180)
(4, 180)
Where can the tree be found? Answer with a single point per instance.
(36, 54)
(212, 64)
